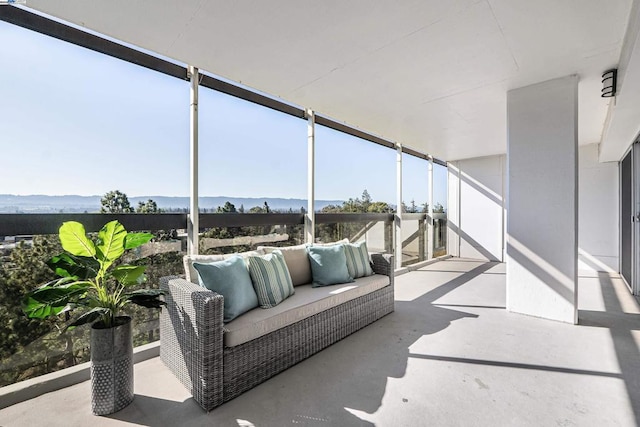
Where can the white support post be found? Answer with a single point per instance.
(310, 216)
(430, 225)
(398, 217)
(542, 173)
(193, 225)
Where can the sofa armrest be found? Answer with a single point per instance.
(191, 338)
(383, 264)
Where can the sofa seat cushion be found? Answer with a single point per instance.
(306, 302)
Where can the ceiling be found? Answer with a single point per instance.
(430, 74)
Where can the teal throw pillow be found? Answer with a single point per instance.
(358, 259)
(271, 278)
(328, 265)
(230, 278)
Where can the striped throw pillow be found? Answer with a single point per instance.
(358, 259)
(271, 278)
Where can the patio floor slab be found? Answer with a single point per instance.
(449, 355)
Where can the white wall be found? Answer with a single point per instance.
(479, 228)
(481, 219)
(542, 199)
(598, 211)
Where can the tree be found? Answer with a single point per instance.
(380, 207)
(148, 207)
(241, 209)
(364, 205)
(115, 202)
(227, 208)
(261, 209)
(438, 208)
(366, 201)
(223, 232)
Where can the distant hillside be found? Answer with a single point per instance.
(51, 204)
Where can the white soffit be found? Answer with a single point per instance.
(623, 123)
(431, 74)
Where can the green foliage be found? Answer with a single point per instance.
(115, 202)
(359, 205)
(87, 278)
(227, 208)
(148, 207)
(31, 347)
(19, 270)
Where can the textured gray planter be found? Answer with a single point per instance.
(111, 367)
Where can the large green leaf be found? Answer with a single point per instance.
(129, 274)
(149, 298)
(51, 299)
(75, 241)
(134, 240)
(88, 317)
(111, 241)
(66, 265)
(37, 310)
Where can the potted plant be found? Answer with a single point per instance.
(92, 281)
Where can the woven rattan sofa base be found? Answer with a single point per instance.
(191, 341)
(249, 364)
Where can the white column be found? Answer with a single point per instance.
(430, 228)
(310, 216)
(398, 218)
(192, 219)
(542, 199)
(453, 209)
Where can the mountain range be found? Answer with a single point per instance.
(36, 203)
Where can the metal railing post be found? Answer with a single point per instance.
(430, 223)
(310, 217)
(193, 226)
(422, 233)
(398, 216)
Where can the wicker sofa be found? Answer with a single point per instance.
(195, 343)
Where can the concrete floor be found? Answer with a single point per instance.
(449, 355)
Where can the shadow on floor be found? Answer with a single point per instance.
(338, 386)
(620, 325)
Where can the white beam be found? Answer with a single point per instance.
(192, 220)
(398, 218)
(310, 216)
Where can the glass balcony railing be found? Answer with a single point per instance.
(414, 238)
(29, 348)
(225, 233)
(376, 229)
(439, 234)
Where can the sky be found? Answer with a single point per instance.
(78, 122)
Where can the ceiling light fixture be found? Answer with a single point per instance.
(609, 81)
